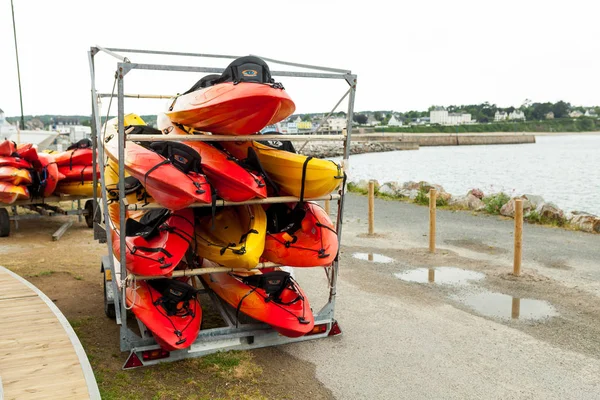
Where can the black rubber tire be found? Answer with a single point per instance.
(4, 223)
(109, 309)
(89, 215)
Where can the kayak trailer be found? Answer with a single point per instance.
(46, 209)
(237, 334)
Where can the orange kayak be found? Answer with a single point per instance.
(286, 309)
(7, 148)
(243, 100)
(230, 180)
(300, 236)
(10, 193)
(174, 320)
(48, 174)
(14, 175)
(168, 185)
(79, 173)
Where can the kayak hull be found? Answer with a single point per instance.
(232, 109)
(14, 175)
(10, 193)
(141, 300)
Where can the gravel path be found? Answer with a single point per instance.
(416, 341)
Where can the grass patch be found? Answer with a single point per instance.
(535, 217)
(495, 202)
(42, 273)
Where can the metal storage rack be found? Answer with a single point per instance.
(42, 208)
(143, 350)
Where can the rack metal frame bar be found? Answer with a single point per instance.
(245, 336)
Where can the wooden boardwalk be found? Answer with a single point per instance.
(40, 354)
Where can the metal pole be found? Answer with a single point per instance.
(18, 67)
(122, 200)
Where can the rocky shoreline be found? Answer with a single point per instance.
(329, 149)
(535, 208)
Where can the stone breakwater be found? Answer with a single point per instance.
(335, 149)
(535, 208)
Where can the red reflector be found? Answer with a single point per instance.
(321, 328)
(335, 329)
(132, 362)
(148, 355)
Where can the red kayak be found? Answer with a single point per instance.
(272, 297)
(28, 152)
(74, 157)
(231, 181)
(15, 176)
(7, 148)
(169, 309)
(77, 173)
(156, 241)
(10, 193)
(300, 235)
(243, 100)
(168, 185)
(14, 162)
(48, 174)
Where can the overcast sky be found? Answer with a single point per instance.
(408, 55)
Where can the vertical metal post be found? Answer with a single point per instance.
(95, 153)
(12, 8)
(122, 210)
(345, 163)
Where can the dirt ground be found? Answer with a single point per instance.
(68, 271)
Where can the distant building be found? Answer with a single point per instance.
(394, 122)
(591, 113)
(298, 119)
(74, 132)
(336, 124)
(292, 127)
(575, 114)
(440, 116)
(516, 115)
(371, 121)
(550, 115)
(500, 116)
(304, 125)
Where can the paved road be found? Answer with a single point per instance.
(407, 341)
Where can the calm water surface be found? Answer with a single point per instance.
(563, 169)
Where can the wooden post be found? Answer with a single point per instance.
(432, 208)
(327, 207)
(516, 308)
(371, 207)
(518, 236)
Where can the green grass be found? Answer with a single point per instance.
(536, 218)
(495, 202)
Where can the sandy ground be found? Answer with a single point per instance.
(400, 339)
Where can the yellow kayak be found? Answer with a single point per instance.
(286, 169)
(77, 188)
(237, 239)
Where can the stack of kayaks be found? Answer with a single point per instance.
(76, 170)
(15, 174)
(177, 174)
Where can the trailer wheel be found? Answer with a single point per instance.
(89, 213)
(109, 308)
(4, 223)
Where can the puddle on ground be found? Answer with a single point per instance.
(440, 275)
(373, 257)
(492, 304)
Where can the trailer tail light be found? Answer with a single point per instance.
(132, 362)
(335, 329)
(318, 329)
(148, 355)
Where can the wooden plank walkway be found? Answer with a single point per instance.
(40, 354)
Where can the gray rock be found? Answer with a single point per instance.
(469, 202)
(410, 185)
(550, 211)
(508, 210)
(477, 193)
(390, 188)
(411, 194)
(584, 221)
(533, 200)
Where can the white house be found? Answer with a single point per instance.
(298, 119)
(516, 114)
(590, 113)
(336, 123)
(500, 116)
(575, 114)
(440, 116)
(371, 121)
(394, 122)
(292, 127)
(75, 132)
